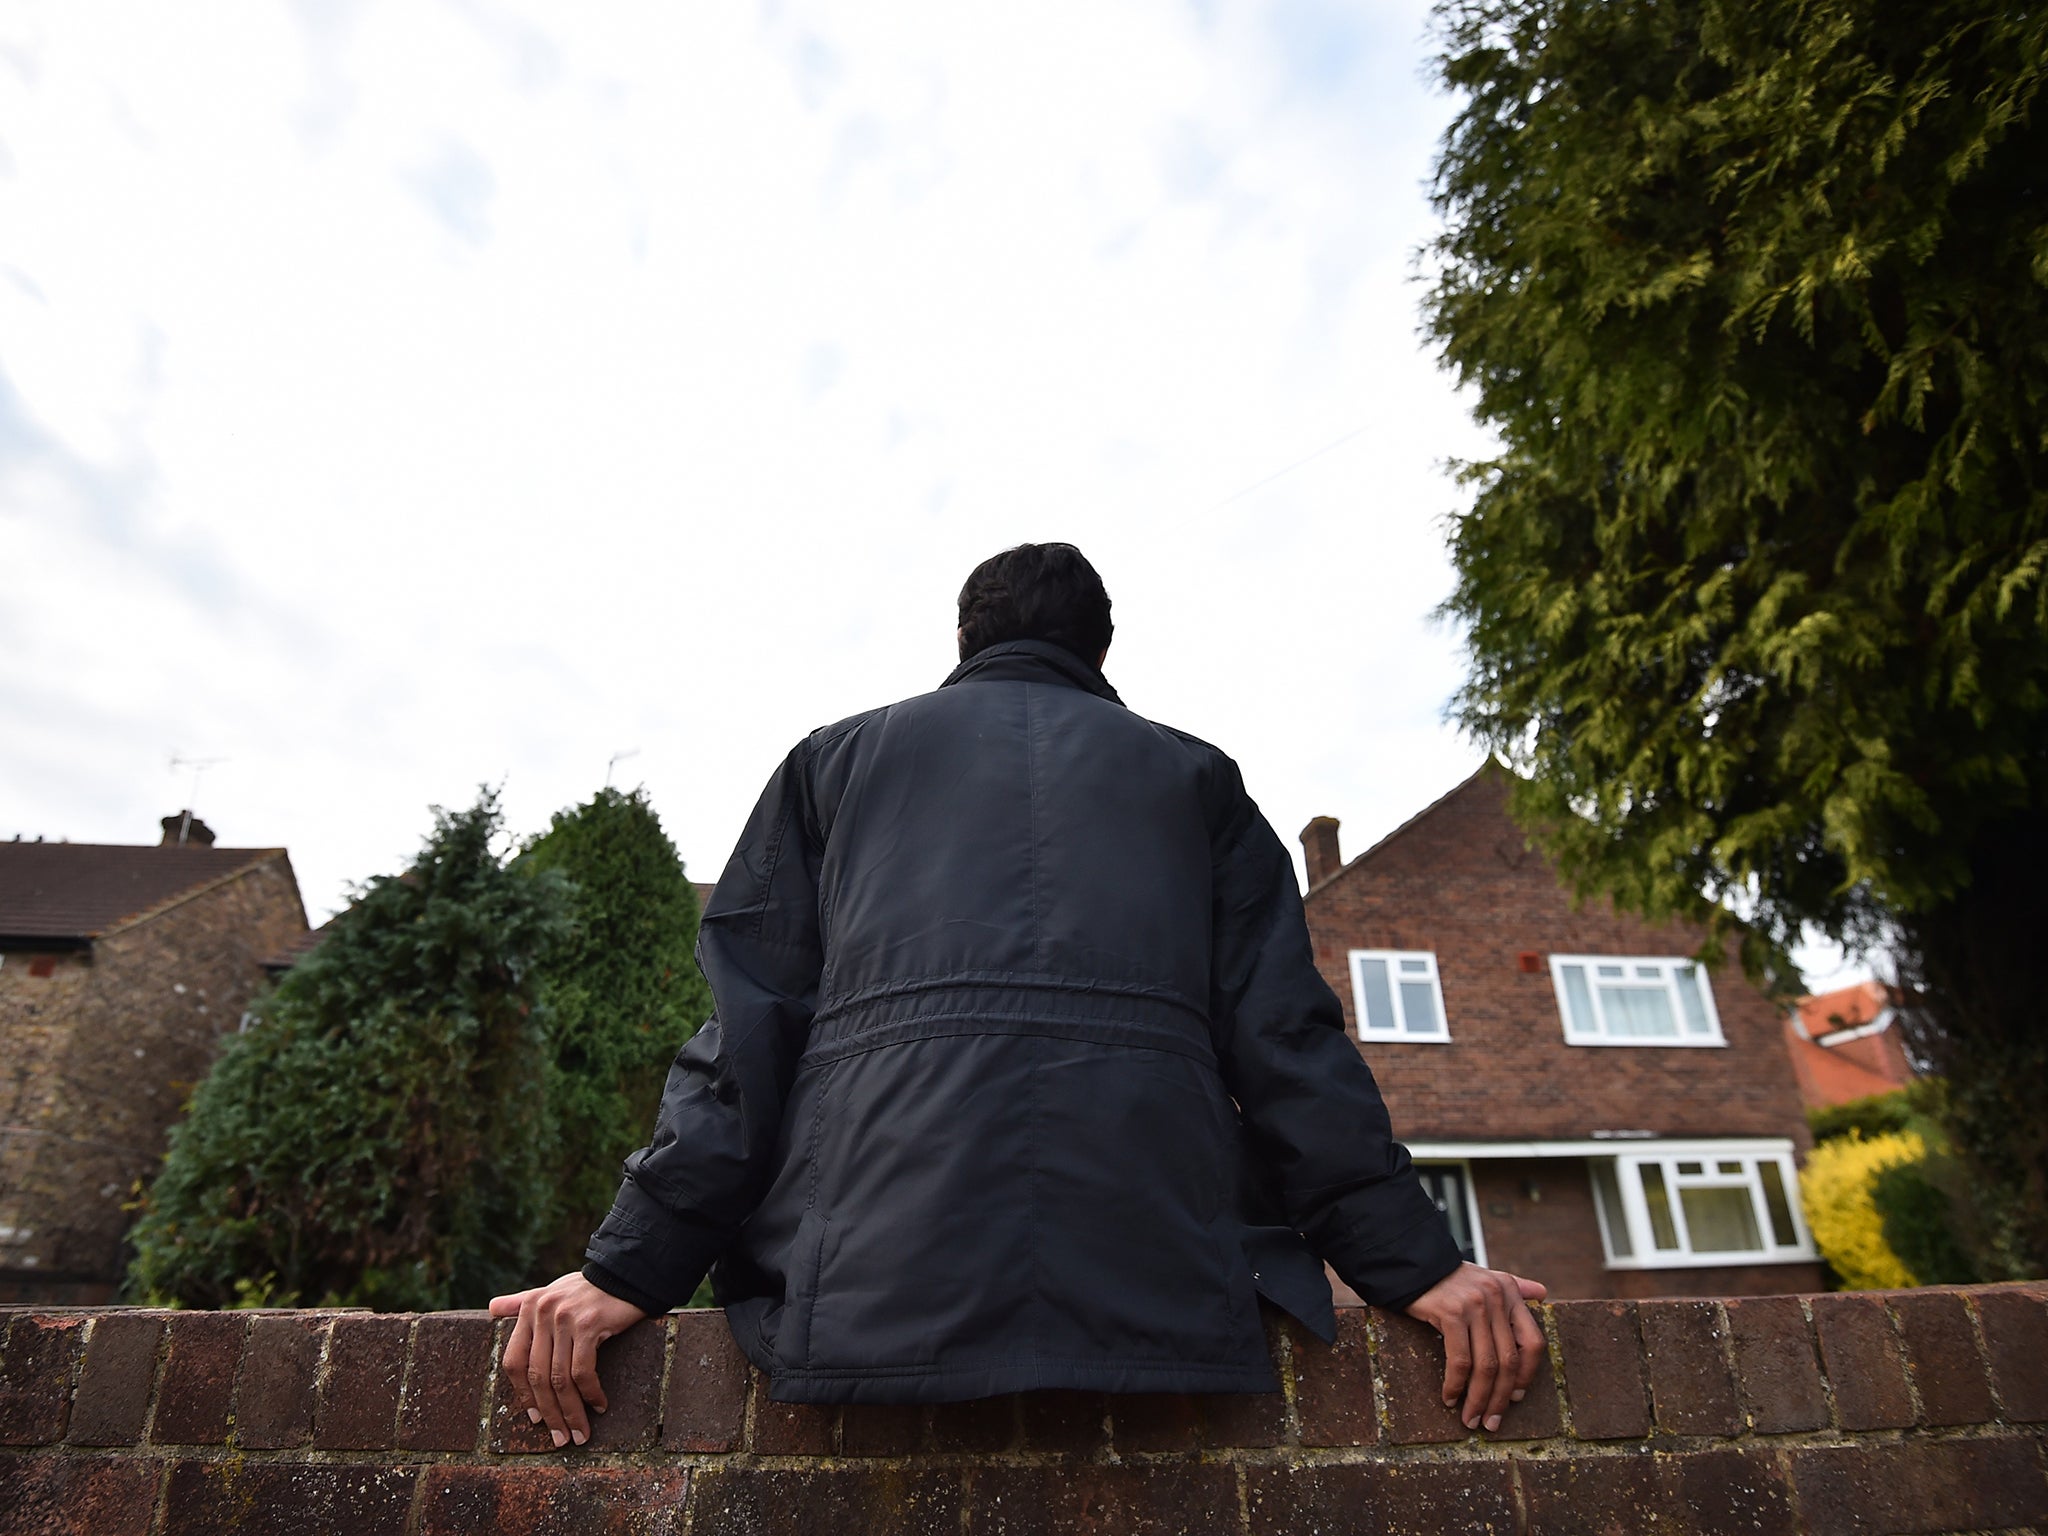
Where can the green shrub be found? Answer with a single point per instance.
(1916, 1204)
(1835, 1189)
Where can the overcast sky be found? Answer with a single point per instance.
(401, 397)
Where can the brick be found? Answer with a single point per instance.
(765, 1501)
(1233, 1420)
(629, 1368)
(1155, 1421)
(1617, 1494)
(792, 1429)
(112, 1401)
(282, 1498)
(1865, 1366)
(357, 1407)
(1943, 1358)
(446, 1375)
(1921, 1486)
(1775, 1364)
(1731, 1490)
(2016, 1335)
(1603, 1368)
(554, 1501)
(1333, 1384)
(1692, 1391)
(706, 1405)
(512, 1432)
(1076, 1423)
(196, 1400)
(35, 1377)
(77, 1495)
(274, 1396)
(1162, 1499)
(1381, 1499)
(982, 1426)
(881, 1429)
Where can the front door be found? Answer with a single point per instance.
(1446, 1185)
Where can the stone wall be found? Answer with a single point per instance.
(99, 1058)
(1922, 1411)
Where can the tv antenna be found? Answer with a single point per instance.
(198, 765)
(614, 760)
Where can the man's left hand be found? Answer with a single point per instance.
(1492, 1345)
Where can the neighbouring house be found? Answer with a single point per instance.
(1844, 1045)
(120, 969)
(1590, 1106)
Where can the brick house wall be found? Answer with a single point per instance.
(1459, 880)
(98, 1057)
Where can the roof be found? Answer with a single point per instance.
(76, 892)
(1492, 765)
(1843, 1045)
(1844, 1008)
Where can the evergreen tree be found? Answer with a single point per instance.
(1755, 298)
(380, 1134)
(622, 995)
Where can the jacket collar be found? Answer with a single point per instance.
(1032, 661)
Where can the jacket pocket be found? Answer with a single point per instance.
(807, 1258)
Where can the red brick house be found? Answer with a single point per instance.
(1845, 1045)
(120, 969)
(1591, 1107)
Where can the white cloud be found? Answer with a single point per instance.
(416, 395)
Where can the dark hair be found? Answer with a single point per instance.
(1036, 592)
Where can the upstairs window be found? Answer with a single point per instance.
(1678, 1206)
(1397, 996)
(1634, 1000)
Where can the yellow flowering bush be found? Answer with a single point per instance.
(1835, 1189)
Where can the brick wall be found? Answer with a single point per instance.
(97, 1060)
(1920, 1411)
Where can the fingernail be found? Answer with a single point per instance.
(1492, 1423)
(1473, 1422)
(578, 1436)
(1517, 1395)
(533, 1414)
(600, 1407)
(560, 1438)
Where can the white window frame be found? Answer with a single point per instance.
(1400, 1032)
(1667, 1156)
(1464, 1166)
(1671, 967)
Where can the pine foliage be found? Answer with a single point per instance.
(380, 1135)
(622, 994)
(1755, 296)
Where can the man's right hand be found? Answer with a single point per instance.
(1492, 1345)
(551, 1360)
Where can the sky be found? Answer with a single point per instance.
(402, 398)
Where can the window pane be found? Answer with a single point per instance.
(1694, 1169)
(1735, 1168)
(1663, 1230)
(1418, 1008)
(1379, 999)
(1636, 1012)
(1721, 1219)
(1690, 998)
(1579, 1001)
(1413, 966)
(1649, 973)
(1774, 1200)
(1607, 1190)
(1615, 972)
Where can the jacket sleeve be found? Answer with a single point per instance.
(685, 1194)
(1310, 1106)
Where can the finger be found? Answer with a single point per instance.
(514, 1364)
(1485, 1358)
(1532, 1290)
(508, 1306)
(1508, 1350)
(583, 1368)
(540, 1371)
(1529, 1335)
(1457, 1357)
(570, 1341)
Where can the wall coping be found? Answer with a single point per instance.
(1922, 1410)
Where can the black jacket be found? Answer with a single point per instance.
(1022, 1074)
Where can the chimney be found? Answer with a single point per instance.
(1319, 843)
(184, 830)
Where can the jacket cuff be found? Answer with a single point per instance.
(1393, 1273)
(647, 1254)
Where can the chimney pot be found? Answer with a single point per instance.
(183, 829)
(1319, 845)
